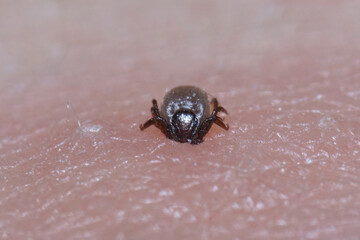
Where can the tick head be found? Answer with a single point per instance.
(184, 124)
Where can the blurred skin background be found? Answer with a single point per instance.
(77, 79)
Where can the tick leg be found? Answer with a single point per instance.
(147, 124)
(204, 128)
(155, 109)
(215, 104)
(161, 124)
(221, 109)
(216, 107)
(218, 121)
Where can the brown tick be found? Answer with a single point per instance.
(185, 115)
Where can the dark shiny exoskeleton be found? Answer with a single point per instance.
(185, 115)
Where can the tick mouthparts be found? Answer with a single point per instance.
(184, 123)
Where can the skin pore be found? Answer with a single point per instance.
(77, 79)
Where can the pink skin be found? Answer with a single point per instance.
(287, 72)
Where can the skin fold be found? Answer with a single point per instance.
(77, 79)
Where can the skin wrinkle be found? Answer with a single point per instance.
(287, 73)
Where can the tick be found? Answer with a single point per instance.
(185, 115)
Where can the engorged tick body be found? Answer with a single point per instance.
(185, 115)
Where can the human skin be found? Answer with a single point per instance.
(77, 79)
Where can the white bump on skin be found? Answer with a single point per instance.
(275, 102)
(259, 206)
(235, 206)
(191, 184)
(175, 159)
(91, 128)
(281, 222)
(215, 188)
(175, 211)
(249, 203)
(319, 97)
(148, 201)
(154, 161)
(326, 122)
(325, 74)
(308, 161)
(120, 215)
(95, 179)
(166, 193)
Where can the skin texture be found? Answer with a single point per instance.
(76, 80)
